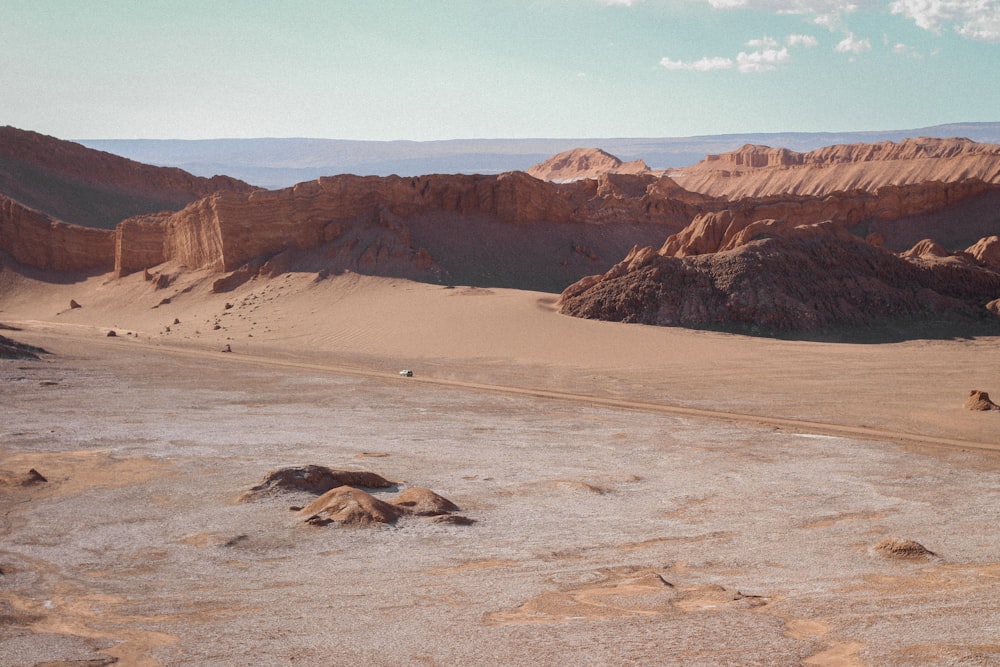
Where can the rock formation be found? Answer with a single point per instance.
(91, 188)
(414, 227)
(423, 502)
(980, 401)
(581, 163)
(986, 251)
(900, 549)
(773, 277)
(760, 171)
(351, 507)
(34, 239)
(775, 242)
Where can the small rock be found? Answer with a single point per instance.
(226, 349)
(74, 304)
(980, 400)
(454, 519)
(35, 477)
(112, 334)
(894, 547)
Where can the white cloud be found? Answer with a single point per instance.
(703, 65)
(807, 41)
(762, 61)
(906, 51)
(817, 7)
(851, 45)
(765, 57)
(975, 19)
(763, 43)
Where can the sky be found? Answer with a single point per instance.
(457, 69)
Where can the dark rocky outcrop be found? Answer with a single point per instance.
(782, 278)
(313, 479)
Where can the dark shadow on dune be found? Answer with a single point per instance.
(884, 333)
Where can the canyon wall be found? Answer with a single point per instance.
(34, 239)
(226, 230)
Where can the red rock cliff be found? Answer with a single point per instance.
(34, 239)
(225, 230)
(760, 171)
(70, 182)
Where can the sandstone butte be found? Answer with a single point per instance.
(800, 257)
(581, 163)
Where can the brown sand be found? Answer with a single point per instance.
(640, 495)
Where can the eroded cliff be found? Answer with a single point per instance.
(761, 171)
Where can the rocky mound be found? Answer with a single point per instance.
(776, 277)
(980, 400)
(423, 502)
(894, 547)
(313, 479)
(341, 498)
(580, 163)
(760, 171)
(76, 184)
(350, 507)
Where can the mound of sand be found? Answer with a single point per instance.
(895, 547)
(423, 502)
(350, 507)
(312, 479)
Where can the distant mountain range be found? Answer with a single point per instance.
(278, 163)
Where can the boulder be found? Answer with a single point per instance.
(980, 400)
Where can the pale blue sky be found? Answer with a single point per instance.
(446, 69)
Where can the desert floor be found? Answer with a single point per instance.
(640, 495)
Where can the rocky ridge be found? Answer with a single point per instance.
(75, 184)
(780, 276)
(761, 171)
(892, 248)
(404, 227)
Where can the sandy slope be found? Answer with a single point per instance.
(515, 338)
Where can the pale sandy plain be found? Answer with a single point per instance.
(641, 495)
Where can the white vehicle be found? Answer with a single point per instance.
(406, 373)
